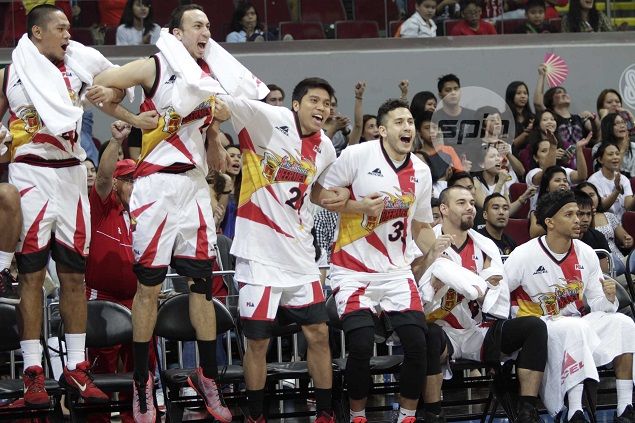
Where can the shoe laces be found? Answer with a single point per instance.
(141, 397)
(35, 382)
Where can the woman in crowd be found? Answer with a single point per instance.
(136, 26)
(615, 131)
(493, 132)
(614, 188)
(423, 101)
(517, 100)
(91, 173)
(544, 129)
(610, 101)
(246, 26)
(583, 16)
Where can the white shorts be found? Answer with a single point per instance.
(52, 200)
(172, 223)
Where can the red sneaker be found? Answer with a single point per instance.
(143, 409)
(325, 417)
(35, 394)
(81, 381)
(360, 420)
(206, 388)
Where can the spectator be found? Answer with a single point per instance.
(275, 96)
(614, 188)
(536, 23)
(436, 214)
(472, 24)
(610, 101)
(614, 130)
(234, 171)
(554, 178)
(544, 130)
(364, 126)
(86, 137)
(91, 173)
(421, 102)
(588, 234)
(111, 11)
(337, 127)
(584, 17)
(517, 100)
(448, 9)
(493, 132)
(246, 26)
(465, 180)
(496, 216)
(440, 156)
(137, 26)
(608, 225)
(421, 24)
(451, 116)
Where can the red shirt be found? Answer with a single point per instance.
(110, 11)
(110, 258)
(462, 28)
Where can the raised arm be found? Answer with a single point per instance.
(358, 118)
(103, 183)
(581, 173)
(539, 105)
(217, 156)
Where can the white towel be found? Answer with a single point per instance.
(231, 76)
(46, 86)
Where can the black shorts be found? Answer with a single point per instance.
(265, 329)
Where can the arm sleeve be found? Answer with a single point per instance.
(423, 212)
(513, 270)
(341, 173)
(242, 111)
(408, 29)
(122, 38)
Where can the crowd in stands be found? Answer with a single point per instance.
(137, 22)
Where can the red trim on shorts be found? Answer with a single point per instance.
(25, 190)
(415, 299)
(318, 296)
(202, 245)
(31, 244)
(149, 254)
(79, 237)
(353, 303)
(260, 313)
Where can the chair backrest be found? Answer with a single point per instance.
(448, 25)
(331, 309)
(375, 10)
(220, 13)
(108, 324)
(515, 191)
(162, 10)
(9, 332)
(82, 35)
(518, 230)
(272, 11)
(556, 25)
(393, 28)
(628, 222)
(325, 11)
(632, 181)
(356, 29)
(508, 26)
(302, 30)
(173, 319)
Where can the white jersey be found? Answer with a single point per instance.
(177, 144)
(379, 247)
(274, 218)
(31, 139)
(606, 186)
(542, 284)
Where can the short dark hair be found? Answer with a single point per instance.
(443, 197)
(492, 197)
(39, 16)
(306, 84)
(434, 202)
(422, 118)
(588, 184)
(546, 202)
(547, 99)
(421, 1)
(465, 3)
(274, 87)
(447, 78)
(459, 175)
(583, 199)
(176, 19)
(388, 106)
(535, 3)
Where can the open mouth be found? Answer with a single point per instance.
(201, 45)
(317, 119)
(406, 139)
(64, 46)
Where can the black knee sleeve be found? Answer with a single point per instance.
(436, 344)
(202, 286)
(360, 350)
(413, 370)
(533, 355)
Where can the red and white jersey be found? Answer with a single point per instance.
(31, 139)
(274, 220)
(542, 284)
(379, 247)
(178, 142)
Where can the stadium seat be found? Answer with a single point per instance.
(82, 35)
(162, 10)
(302, 30)
(356, 29)
(272, 11)
(518, 230)
(632, 180)
(515, 191)
(111, 36)
(556, 24)
(448, 24)
(628, 222)
(220, 13)
(375, 10)
(508, 26)
(393, 28)
(90, 14)
(325, 11)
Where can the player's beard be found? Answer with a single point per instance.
(467, 223)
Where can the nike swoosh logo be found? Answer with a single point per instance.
(79, 385)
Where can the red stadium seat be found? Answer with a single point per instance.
(82, 35)
(162, 10)
(272, 11)
(556, 24)
(90, 13)
(518, 230)
(220, 13)
(111, 36)
(449, 24)
(375, 10)
(302, 30)
(633, 183)
(515, 191)
(394, 28)
(356, 29)
(325, 11)
(508, 26)
(628, 222)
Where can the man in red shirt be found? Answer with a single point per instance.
(472, 24)
(109, 274)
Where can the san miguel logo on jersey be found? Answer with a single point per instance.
(451, 299)
(395, 207)
(31, 120)
(173, 121)
(552, 302)
(287, 168)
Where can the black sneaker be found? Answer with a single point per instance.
(434, 418)
(628, 416)
(528, 414)
(8, 292)
(578, 417)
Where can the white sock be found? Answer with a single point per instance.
(5, 260)
(358, 414)
(76, 349)
(575, 399)
(31, 353)
(403, 413)
(624, 389)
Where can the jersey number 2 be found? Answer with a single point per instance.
(296, 200)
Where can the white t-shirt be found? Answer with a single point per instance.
(605, 187)
(131, 36)
(416, 27)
